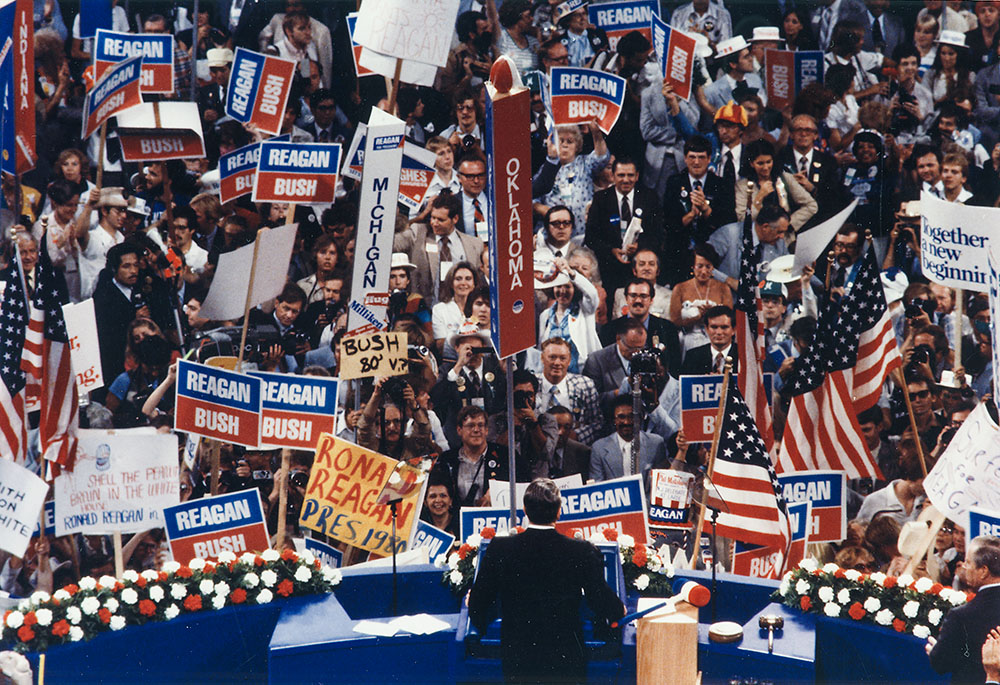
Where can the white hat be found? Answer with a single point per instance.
(781, 269)
(766, 33)
(219, 57)
(401, 261)
(137, 205)
(955, 38)
(567, 8)
(894, 283)
(730, 46)
(701, 47)
(467, 329)
(548, 276)
(113, 197)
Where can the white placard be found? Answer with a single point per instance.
(227, 295)
(811, 243)
(994, 262)
(500, 490)
(84, 349)
(120, 483)
(22, 494)
(954, 242)
(415, 73)
(416, 30)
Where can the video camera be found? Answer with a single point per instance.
(225, 342)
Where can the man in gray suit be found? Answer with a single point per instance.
(434, 251)
(610, 457)
(609, 365)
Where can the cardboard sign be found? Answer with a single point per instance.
(218, 404)
(670, 498)
(475, 519)
(297, 172)
(156, 50)
(500, 490)
(700, 404)
(580, 95)
(237, 171)
(416, 175)
(982, 522)
(376, 221)
(955, 242)
(94, 14)
(328, 555)
(258, 89)
(296, 409)
(117, 90)
(22, 494)
(411, 30)
(354, 160)
(768, 562)
(787, 72)
(375, 354)
(437, 541)
(508, 190)
(618, 18)
(158, 131)
(121, 481)
(618, 503)
(50, 520)
(827, 492)
(340, 500)
(202, 528)
(359, 71)
(18, 76)
(84, 350)
(675, 50)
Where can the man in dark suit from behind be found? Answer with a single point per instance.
(538, 576)
(958, 648)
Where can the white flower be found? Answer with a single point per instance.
(474, 540)
(24, 605)
(784, 587)
(872, 605)
(111, 604)
(830, 568)
(307, 557)
(453, 560)
(247, 557)
(39, 596)
(130, 596)
(226, 557)
(654, 564)
(61, 595)
(668, 569)
(642, 582)
(303, 574)
(331, 575)
(911, 609)
(219, 601)
(196, 564)
(809, 564)
(222, 589)
(178, 591)
(878, 577)
(75, 633)
(15, 619)
(597, 539)
(87, 583)
(802, 587)
(268, 577)
(74, 614)
(957, 598)
(171, 566)
(130, 575)
(884, 617)
(90, 605)
(934, 616)
(921, 631)
(456, 577)
(852, 574)
(831, 609)
(107, 581)
(825, 593)
(844, 596)
(270, 555)
(156, 593)
(264, 597)
(626, 541)
(171, 612)
(206, 587)
(44, 616)
(251, 580)
(440, 561)
(905, 580)
(117, 622)
(923, 584)
(150, 575)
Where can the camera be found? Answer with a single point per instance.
(922, 354)
(298, 479)
(291, 341)
(522, 399)
(915, 308)
(138, 299)
(393, 388)
(643, 362)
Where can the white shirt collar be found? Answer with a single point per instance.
(630, 196)
(799, 156)
(700, 179)
(724, 353)
(125, 291)
(560, 387)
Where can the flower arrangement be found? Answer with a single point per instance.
(904, 604)
(80, 611)
(461, 564)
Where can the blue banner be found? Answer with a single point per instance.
(327, 554)
(223, 512)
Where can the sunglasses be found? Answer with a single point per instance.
(920, 395)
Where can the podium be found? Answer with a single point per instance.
(667, 645)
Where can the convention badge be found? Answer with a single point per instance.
(431, 247)
(489, 377)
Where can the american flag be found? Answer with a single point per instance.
(878, 353)
(13, 324)
(750, 337)
(746, 491)
(822, 430)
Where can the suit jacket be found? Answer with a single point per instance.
(606, 456)
(604, 231)
(959, 646)
(575, 459)
(414, 241)
(893, 34)
(448, 400)
(495, 467)
(658, 332)
(677, 258)
(698, 360)
(337, 133)
(604, 367)
(584, 404)
(211, 97)
(113, 313)
(824, 173)
(538, 577)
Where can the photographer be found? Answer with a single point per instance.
(382, 424)
(287, 307)
(322, 319)
(535, 434)
(904, 247)
(910, 102)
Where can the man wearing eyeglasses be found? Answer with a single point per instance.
(661, 334)
(475, 461)
(325, 128)
(814, 169)
(553, 241)
(472, 178)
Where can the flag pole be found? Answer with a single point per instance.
(959, 313)
(246, 304)
(100, 154)
(700, 519)
(901, 379)
(279, 540)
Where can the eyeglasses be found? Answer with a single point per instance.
(561, 223)
(920, 395)
(481, 175)
(562, 59)
(804, 129)
(465, 108)
(474, 426)
(637, 296)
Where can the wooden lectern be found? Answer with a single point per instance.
(667, 644)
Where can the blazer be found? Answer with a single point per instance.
(959, 646)
(538, 577)
(575, 459)
(893, 34)
(604, 367)
(606, 456)
(799, 204)
(448, 400)
(604, 230)
(824, 174)
(698, 360)
(414, 241)
(495, 467)
(677, 258)
(659, 332)
(113, 313)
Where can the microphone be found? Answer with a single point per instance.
(684, 591)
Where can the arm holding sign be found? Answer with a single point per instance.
(83, 218)
(149, 408)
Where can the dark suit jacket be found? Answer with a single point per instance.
(210, 97)
(824, 173)
(495, 467)
(604, 231)
(676, 259)
(698, 360)
(538, 576)
(959, 647)
(658, 332)
(448, 400)
(575, 459)
(113, 313)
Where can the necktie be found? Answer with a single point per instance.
(878, 40)
(729, 169)
(717, 367)
(626, 212)
(324, 136)
(803, 164)
(445, 249)
(473, 379)
(554, 397)
(697, 185)
(478, 212)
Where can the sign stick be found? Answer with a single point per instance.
(41, 668)
(279, 540)
(100, 154)
(700, 520)
(395, 86)
(511, 444)
(119, 558)
(214, 457)
(959, 312)
(290, 214)
(246, 306)
(913, 420)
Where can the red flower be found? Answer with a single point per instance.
(610, 534)
(899, 624)
(119, 587)
(192, 602)
(857, 612)
(969, 596)
(839, 573)
(209, 568)
(463, 551)
(890, 582)
(5, 615)
(317, 565)
(25, 634)
(30, 619)
(289, 555)
(184, 572)
(936, 589)
(258, 561)
(60, 628)
(488, 533)
(285, 588)
(519, 529)
(805, 603)
(238, 596)
(161, 576)
(147, 607)
(72, 588)
(104, 615)
(639, 557)
(140, 581)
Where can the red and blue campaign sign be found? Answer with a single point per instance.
(675, 50)
(296, 409)
(352, 21)
(354, 160)
(786, 73)
(416, 175)
(156, 50)
(202, 528)
(297, 172)
(580, 95)
(437, 541)
(982, 522)
(827, 492)
(258, 89)
(700, 404)
(670, 499)
(328, 555)
(237, 170)
(618, 18)
(218, 404)
(117, 90)
(618, 504)
(766, 562)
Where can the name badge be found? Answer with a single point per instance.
(445, 268)
(431, 247)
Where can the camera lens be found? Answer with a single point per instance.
(299, 479)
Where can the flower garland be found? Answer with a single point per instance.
(81, 611)
(644, 568)
(907, 605)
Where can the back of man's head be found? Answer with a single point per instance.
(984, 551)
(542, 501)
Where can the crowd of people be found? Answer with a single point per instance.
(909, 102)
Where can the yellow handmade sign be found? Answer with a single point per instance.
(342, 498)
(375, 354)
